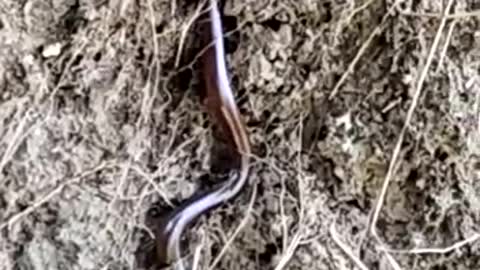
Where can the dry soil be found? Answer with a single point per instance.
(100, 117)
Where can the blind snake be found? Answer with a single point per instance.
(220, 103)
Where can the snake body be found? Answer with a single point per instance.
(221, 104)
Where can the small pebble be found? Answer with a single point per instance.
(52, 50)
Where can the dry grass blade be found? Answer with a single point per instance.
(15, 141)
(393, 263)
(121, 184)
(346, 249)
(298, 238)
(458, 15)
(51, 194)
(186, 28)
(477, 104)
(288, 254)
(196, 255)
(445, 250)
(284, 218)
(413, 105)
(35, 205)
(155, 186)
(22, 132)
(362, 51)
(357, 10)
(445, 46)
(237, 230)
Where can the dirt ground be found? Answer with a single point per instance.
(364, 116)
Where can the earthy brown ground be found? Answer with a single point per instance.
(97, 122)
